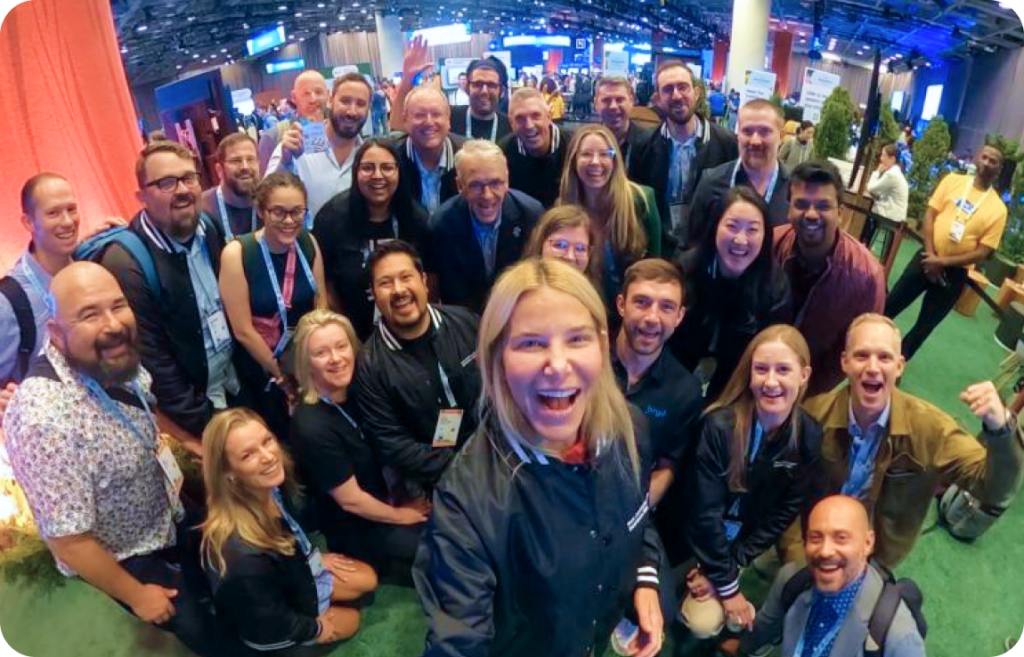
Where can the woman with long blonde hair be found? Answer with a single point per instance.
(754, 470)
(271, 588)
(546, 503)
(625, 215)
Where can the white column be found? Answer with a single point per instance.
(749, 39)
(390, 42)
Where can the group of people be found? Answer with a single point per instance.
(574, 383)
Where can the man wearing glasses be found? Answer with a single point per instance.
(230, 203)
(184, 338)
(481, 118)
(482, 230)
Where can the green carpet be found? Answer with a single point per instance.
(973, 593)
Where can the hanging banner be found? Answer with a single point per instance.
(616, 63)
(816, 88)
(757, 84)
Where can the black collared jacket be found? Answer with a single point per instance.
(636, 140)
(169, 326)
(538, 177)
(457, 258)
(781, 483)
(527, 555)
(400, 406)
(409, 173)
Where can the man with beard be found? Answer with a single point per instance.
(84, 446)
(427, 153)
(481, 118)
(798, 150)
(309, 98)
(183, 332)
(417, 375)
(613, 102)
(230, 203)
(327, 172)
(651, 307)
(684, 146)
(482, 230)
(963, 226)
(536, 149)
(892, 450)
(832, 616)
(760, 129)
(833, 277)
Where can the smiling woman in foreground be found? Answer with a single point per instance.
(540, 538)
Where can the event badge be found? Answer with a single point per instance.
(956, 231)
(316, 562)
(314, 137)
(446, 433)
(169, 465)
(219, 331)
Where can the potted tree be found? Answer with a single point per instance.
(832, 134)
(929, 153)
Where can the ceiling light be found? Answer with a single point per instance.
(178, 67)
(192, 18)
(195, 56)
(320, 5)
(142, 28)
(223, 49)
(323, 24)
(124, 50)
(298, 14)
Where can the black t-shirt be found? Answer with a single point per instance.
(422, 349)
(329, 451)
(490, 129)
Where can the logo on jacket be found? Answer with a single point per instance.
(659, 413)
(517, 231)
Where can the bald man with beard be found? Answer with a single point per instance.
(84, 446)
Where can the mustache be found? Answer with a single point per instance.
(115, 339)
(819, 562)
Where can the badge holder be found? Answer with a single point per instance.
(446, 433)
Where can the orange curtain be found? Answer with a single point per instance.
(67, 109)
(719, 62)
(780, 61)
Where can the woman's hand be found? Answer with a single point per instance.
(649, 618)
(739, 612)
(339, 565)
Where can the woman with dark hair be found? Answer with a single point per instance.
(753, 472)
(888, 186)
(733, 288)
(565, 232)
(377, 208)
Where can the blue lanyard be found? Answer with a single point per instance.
(40, 289)
(826, 641)
(111, 407)
(225, 218)
(755, 444)
(331, 402)
(447, 387)
(769, 191)
(300, 536)
(282, 308)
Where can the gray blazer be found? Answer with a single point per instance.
(903, 639)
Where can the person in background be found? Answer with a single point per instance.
(565, 232)
(336, 462)
(751, 476)
(833, 278)
(889, 188)
(717, 103)
(309, 98)
(734, 289)
(272, 589)
(962, 226)
(831, 618)
(268, 280)
(427, 153)
(553, 98)
(535, 151)
(379, 109)
(613, 102)
(685, 145)
(479, 116)
(229, 204)
(478, 233)
(561, 546)
(460, 96)
(624, 214)
(349, 227)
(798, 150)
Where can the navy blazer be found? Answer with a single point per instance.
(456, 257)
(409, 173)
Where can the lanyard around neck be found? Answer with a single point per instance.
(282, 305)
(225, 218)
(111, 407)
(967, 190)
(39, 288)
(769, 191)
(469, 125)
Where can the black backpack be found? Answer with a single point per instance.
(888, 602)
(22, 307)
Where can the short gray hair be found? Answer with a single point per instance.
(481, 147)
(421, 90)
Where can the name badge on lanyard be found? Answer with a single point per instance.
(449, 420)
(282, 304)
(225, 218)
(964, 212)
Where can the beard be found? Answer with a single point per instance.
(108, 372)
(242, 188)
(343, 131)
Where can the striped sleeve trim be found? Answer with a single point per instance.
(730, 589)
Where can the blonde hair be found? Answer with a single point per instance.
(231, 508)
(874, 318)
(482, 147)
(523, 94)
(607, 416)
(617, 209)
(421, 90)
(558, 218)
(311, 321)
(737, 396)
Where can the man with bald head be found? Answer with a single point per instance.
(481, 231)
(427, 152)
(536, 148)
(309, 95)
(84, 446)
(831, 617)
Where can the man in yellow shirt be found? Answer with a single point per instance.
(962, 226)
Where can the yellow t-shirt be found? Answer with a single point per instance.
(982, 227)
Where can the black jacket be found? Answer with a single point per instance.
(527, 555)
(655, 161)
(633, 148)
(457, 258)
(781, 483)
(268, 600)
(409, 173)
(459, 124)
(170, 332)
(399, 403)
(538, 177)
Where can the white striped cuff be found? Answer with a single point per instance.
(647, 575)
(730, 590)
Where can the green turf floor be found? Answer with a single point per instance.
(974, 594)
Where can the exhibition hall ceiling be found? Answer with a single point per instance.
(164, 38)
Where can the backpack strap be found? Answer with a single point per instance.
(881, 618)
(93, 249)
(797, 584)
(23, 314)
